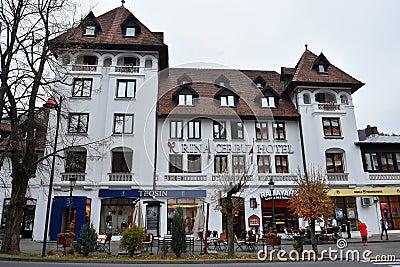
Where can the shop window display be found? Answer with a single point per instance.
(118, 211)
(189, 207)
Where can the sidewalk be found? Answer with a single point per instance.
(29, 246)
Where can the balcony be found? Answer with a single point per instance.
(338, 177)
(80, 176)
(283, 177)
(384, 176)
(120, 177)
(77, 67)
(185, 177)
(231, 177)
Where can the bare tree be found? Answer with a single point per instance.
(27, 27)
(311, 201)
(232, 186)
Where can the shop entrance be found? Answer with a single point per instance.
(118, 211)
(390, 206)
(27, 219)
(284, 218)
(189, 207)
(239, 224)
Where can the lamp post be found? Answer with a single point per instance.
(271, 184)
(72, 182)
(51, 104)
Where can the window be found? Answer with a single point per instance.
(75, 161)
(82, 87)
(121, 161)
(281, 164)
(263, 164)
(279, 130)
(237, 130)
(194, 130)
(89, 60)
(334, 163)
(262, 130)
(175, 163)
(306, 99)
(331, 126)
(123, 124)
(371, 162)
(238, 164)
(344, 100)
(130, 61)
(219, 131)
(78, 122)
(126, 88)
(185, 100)
(268, 102)
(90, 30)
(227, 101)
(130, 31)
(325, 98)
(387, 161)
(194, 163)
(321, 68)
(220, 163)
(175, 128)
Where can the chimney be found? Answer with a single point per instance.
(371, 130)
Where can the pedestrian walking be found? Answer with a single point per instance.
(362, 227)
(384, 226)
(348, 229)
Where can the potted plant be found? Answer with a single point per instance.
(65, 238)
(272, 239)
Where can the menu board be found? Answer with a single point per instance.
(152, 218)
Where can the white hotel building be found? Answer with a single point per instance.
(168, 138)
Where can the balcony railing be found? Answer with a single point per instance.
(277, 177)
(120, 177)
(80, 176)
(338, 177)
(77, 67)
(384, 176)
(127, 69)
(231, 177)
(184, 177)
(329, 106)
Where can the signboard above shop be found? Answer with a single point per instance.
(278, 194)
(136, 193)
(364, 191)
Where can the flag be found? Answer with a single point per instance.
(251, 151)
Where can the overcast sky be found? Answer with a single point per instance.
(361, 37)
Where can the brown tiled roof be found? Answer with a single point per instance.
(305, 74)
(206, 105)
(111, 32)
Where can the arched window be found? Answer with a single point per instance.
(344, 100)
(107, 62)
(121, 160)
(148, 64)
(306, 99)
(75, 160)
(334, 161)
(325, 98)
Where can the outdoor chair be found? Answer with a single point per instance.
(239, 243)
(104, 243)
(251, 243)
(148, 243)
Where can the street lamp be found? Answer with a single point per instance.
(72, 182)
(271, 184)
(51, 104)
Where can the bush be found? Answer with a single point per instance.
(132, 239)
(87, 241)
(178, 243)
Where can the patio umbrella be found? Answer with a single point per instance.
(138, 215)
(199, 221)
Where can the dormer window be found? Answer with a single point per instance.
(268, 102)
(222, 81)
(130, 32)
(185, 100)
(259, 85)
(260, 82)
(221, 84)
(90, 30)
(321, 68)
(227, 101)
(184, 79)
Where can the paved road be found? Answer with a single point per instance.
(261, 264)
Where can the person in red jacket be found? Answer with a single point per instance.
(364, 233)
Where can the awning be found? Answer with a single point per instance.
(364, 191)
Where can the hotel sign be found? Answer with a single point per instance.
(278, 194)
(216, 148)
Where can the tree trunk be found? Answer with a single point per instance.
(15, 213)
(313, 237)
(230, 233)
